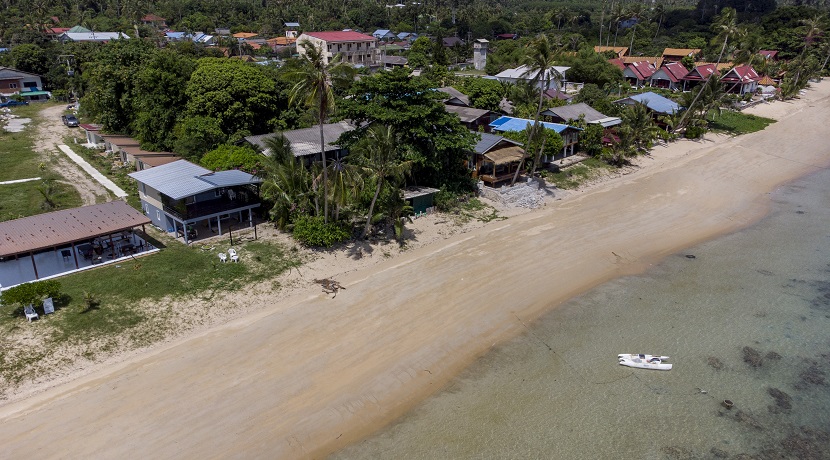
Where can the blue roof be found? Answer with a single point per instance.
(403, 35)
(520, 124)
(177, 35)
(380, 33)
(654, 102)
(292, 24)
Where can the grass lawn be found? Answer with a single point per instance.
(18, 160)
(739, 123)
(117, 317)
(576, 175)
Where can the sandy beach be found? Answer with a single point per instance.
(306, 374)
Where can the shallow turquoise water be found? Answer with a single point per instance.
(760, 295)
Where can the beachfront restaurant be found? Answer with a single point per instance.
(71, 240)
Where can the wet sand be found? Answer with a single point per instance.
(309, 375)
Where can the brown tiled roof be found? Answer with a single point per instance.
(618, 50)
(58, 228)
(158, 160)
(681, 52)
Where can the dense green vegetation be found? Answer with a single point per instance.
(195, 101)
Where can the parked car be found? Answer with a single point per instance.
(70, 120)
(12, 103)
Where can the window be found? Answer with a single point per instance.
(30, 84)
(12, 85)
(143, 190)
(158, 215)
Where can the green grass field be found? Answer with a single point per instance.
(739, 123)
(18, 160)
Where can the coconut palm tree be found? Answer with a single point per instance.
(313, 86)
(286, 181)
(345, 184)
(378, 156)
(726, 27)
(539, 60)
(641, 129)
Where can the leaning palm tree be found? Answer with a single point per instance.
(379, 158)
(313, 86)
(539, 62)
(726, 27)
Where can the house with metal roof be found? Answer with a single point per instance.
(57, 243)
(524, 74)
(742, 79)
(670, 76)
(305, 143)
(354, 47)
(454, 97)
(472, 118)
(99, 37)
(677, 54)
(698, 75)
(620, 51)
(187, 199)
(383, 34)
(567, 114)
(638, 73)
(655, 102)
(27, 85)
(496, 159)
(570, 134)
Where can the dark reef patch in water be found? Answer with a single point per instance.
(715, 363)
(783, 401)
(753, 357)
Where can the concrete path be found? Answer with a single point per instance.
(92, 171)
(19, 181)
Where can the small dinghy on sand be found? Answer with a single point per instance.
(642, 361)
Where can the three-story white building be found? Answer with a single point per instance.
(355, 47)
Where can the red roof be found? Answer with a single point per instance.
(57, 30)
(90, 127)
(618, 62)
(768, 54)
(643, 70)
(674, 71)
(341, 36)
(700, 73)
(742, 74)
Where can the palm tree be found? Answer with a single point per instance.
(643, 131)
(726, 26)
(286, 181)
(313, 86)
(345, 185)
(379, 158)
(659, 11)
(539, 60)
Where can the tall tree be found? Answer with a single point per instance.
(539, 60)
(285, 181)
(380, 158)
(313, 86)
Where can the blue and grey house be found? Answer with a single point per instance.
(183, 198)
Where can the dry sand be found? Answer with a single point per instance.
(307, 374)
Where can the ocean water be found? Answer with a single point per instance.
(746, 319)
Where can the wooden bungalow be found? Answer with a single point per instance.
(496, 159)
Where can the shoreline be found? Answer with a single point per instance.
(328, 372)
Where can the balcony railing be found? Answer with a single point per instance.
(207, 208)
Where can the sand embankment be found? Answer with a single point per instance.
(306, 376)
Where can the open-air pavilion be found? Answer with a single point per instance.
(62, 242)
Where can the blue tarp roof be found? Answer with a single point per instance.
(654, 102)
(520, 124)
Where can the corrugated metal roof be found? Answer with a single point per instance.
(306, 141)
(653, 101)
(182, 178)
(415, 191)
(57, 228)
(573, 112)
(466, 114)
(520, 124)
(454, 94)
(487, 141)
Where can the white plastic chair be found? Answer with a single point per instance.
(233, 254)
(30, 313)
(223, 257)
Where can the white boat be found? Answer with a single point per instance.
(642, 356)
(645, 362)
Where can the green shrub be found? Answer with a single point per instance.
(694, 132)
(31, 293)
(312, 231)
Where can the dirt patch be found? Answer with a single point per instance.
(51, 132)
